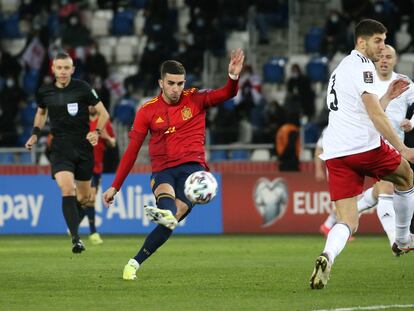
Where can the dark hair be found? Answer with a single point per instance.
(367, 28)
(172, 67)
(61, 55)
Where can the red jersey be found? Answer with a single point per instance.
(177, 130)
(99, 148)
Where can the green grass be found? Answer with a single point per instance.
(199, 273)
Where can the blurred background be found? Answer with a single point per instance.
(117, 46)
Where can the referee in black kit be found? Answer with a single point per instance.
(67, 102)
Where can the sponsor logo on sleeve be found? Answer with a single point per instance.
(368, 77)
(94, 93)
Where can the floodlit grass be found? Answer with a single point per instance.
(199, 273)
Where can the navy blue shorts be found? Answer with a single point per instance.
(176, 177)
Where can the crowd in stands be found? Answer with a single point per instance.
(48, 26)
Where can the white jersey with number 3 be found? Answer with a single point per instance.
(350, 130)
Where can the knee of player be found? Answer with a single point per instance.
(385, 187)
(83, 199)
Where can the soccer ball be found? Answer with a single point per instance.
(200, 187)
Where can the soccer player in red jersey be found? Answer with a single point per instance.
(176, 122)
(106, 139)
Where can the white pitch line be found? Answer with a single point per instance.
(382, 307)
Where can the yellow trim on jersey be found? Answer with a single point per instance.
(190, 91)
(151, 101)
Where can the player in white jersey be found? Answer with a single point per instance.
(353, 148)
(381, 195)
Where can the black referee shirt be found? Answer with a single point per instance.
(68, 107)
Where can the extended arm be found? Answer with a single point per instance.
(39, 123)
(383, 125)
(319, 165)
(125, 166)
(230, 89)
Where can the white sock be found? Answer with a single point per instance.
(331, 220)
(404, 208)
(133, 263)
(386, 214)
(366, 201)
(336, 240)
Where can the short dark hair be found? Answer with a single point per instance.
(367, 28)
(172, 67)
(61, 55)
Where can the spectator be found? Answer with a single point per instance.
(74, 34)
(268, 13)
(9, 66)
(335, 34)
(11, 97)
(274, 119)
(300, 91)
(95, 63)
(288, 144)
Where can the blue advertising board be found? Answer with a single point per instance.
(32, 204)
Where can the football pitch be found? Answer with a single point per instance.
(227, 272)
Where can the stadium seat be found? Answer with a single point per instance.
(124, 111)
(218, 155)
(53, 25)
(406, 65)
(100, 22)
(107, 47)
(6, 158)
(13, 46)
(30, 81)
(313, 40)
(10, 26)
(123, 23)
(317, 69)
(260, 155)
(237, 39)
(274, 70)
(311, 133)
(139, 4)
(25, 158)
(240, 154)
(139, 22)
(9, 5)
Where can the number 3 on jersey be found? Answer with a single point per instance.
(333, 102)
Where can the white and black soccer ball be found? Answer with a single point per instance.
(200, 187)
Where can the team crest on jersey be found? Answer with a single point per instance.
(368, 77)
(72, 108)
(186, 113)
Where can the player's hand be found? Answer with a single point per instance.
(406, 125)
(30, 142)
(408, 153)
(236, 62)
(93, 137)
(108, 196)
(319, 175)
(397, 87)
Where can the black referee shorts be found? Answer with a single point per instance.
(73, 156)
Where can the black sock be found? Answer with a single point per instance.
(154, 240)
(90, 212)
(166, 201)
(70, 212)
(81, 211)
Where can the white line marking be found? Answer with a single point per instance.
(369, 308)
